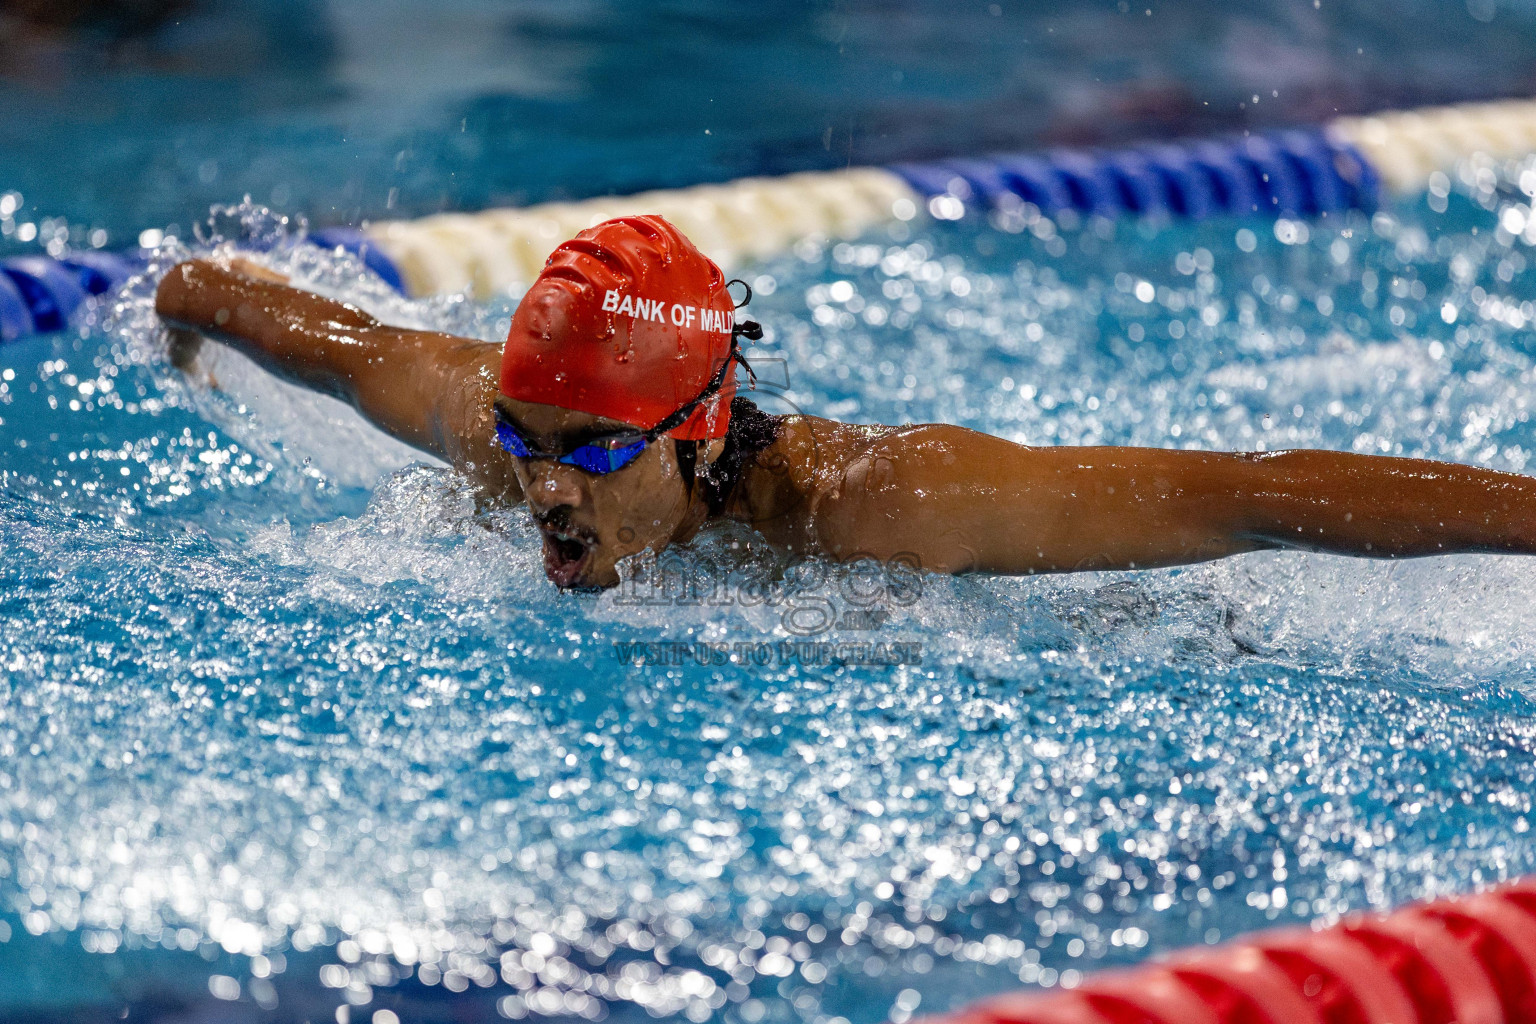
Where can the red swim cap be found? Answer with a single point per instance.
(630, 321)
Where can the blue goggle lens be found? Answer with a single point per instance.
(509, 439)
(592, 458)
(597, 459)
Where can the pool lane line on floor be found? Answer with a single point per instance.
(1464, 959)
(1301, 172)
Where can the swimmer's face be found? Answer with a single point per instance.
(591, 521)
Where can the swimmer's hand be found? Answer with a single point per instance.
(184, 345)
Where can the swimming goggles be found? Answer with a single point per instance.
(611, 454)
(604, 455)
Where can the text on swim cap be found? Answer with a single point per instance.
(658, 312)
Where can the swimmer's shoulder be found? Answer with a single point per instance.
(809, 459)
(821, 475)
(811, 454)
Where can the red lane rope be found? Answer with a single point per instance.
(1460, 960)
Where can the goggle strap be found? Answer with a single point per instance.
(710, 390)
(751, 374)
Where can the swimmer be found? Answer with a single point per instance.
(612, 411)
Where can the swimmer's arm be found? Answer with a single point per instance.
(414, 385)
(963, 501)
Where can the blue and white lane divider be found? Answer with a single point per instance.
(1290, 173)
(39, 293)
(1349, 164)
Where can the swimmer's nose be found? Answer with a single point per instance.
(553, 484)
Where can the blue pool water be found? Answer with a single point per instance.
(287, 725)
(289, 731)
(369, 109)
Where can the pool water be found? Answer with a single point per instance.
(347, 110)
(290, 729)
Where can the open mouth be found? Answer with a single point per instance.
(566, 554)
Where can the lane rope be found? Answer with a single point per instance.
(1468, 960)
(1348, 164)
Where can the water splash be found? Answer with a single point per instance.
(274, 688)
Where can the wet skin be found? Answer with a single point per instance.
(943, 497)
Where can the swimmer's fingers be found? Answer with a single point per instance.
(183, 345)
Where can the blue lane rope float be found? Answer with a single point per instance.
(363, 247)
(50, 290)
(15, 314)
(99, 272)
(1349, 164)
(39, 293)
